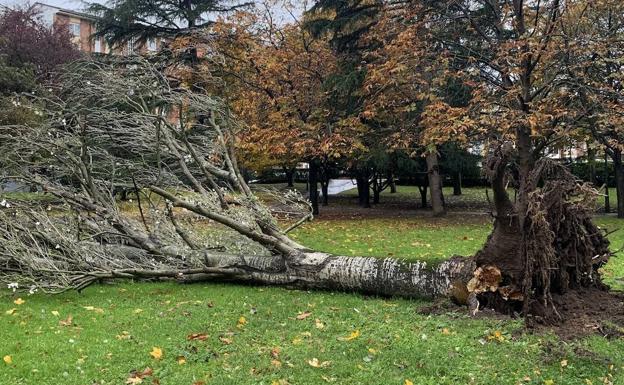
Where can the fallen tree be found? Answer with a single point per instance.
(193, 217)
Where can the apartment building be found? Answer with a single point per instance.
(82, 27)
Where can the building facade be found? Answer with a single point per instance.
(82, 27)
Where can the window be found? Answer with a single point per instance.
(151, 45)
(97, 45)
(74, 29)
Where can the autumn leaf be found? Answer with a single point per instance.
(66, 322)
(156, 353)
(98, 310)
(549, 382)
(319, 324)
(134, 380)
(242, 321)
(225, 340)
(354, 334)
(408, 382)
(55, 313)
(315, 363)
(19, 301)
(181, 360)
(197, 337)
(564, 363)
(304, 315)
(275, 353)
(7, 360)
(10, 311)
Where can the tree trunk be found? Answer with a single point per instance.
(290, 176)
(387, 277)
(591, 164)
(457, 183)
(606, 178)
(545, 243)
(325, 191)
(376, 189)
(618, 165)
(435, 184)
(423, 194)
(313, 185)
(363, 185)
(392, 182)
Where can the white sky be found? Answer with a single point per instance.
(69, 4)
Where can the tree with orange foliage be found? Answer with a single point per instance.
(410, 80)
(274, 78)
(513, 57)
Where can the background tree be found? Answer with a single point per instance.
(595, 69)
(27, 42)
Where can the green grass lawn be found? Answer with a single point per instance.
(252, 334)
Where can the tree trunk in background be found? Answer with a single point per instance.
(376, 190)
(606, 178)
(363, 185)
(423, 194)
(435, 184)
(313, 185)
(392, 183)
(591, 163)
(324, 191)
(457, 183)
(618, 165)
(290, 176)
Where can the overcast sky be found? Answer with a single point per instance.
(69, 4)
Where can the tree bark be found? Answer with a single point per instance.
(618, 165)
(363, 185)
(315, 270)
(435, 184)
(313, 185)
(591, 164)
(457, 183)
(325, 191)
(290, 176)
(607, 203)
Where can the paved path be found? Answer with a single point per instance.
(336, 186)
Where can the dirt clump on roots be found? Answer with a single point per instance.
(582, 312)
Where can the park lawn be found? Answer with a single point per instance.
(253, 335)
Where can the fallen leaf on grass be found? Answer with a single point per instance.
(304, 315)
(66, 322)
(408, 382)
(19, 301)
(55, 313)
(275, 352)
(7, 360)
(156, 353)
(10, 311)
(94, 309)
(181, 360)
(137, 377)
(197, 337)
(354, 334)
(315, 363)
(123, 336)
(225, 341)
(242, 321)
(319, 324)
